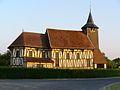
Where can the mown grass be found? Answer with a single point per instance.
(115, 86)
(44, 73)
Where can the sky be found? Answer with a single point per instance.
(38, 15)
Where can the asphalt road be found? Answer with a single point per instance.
(71, 84)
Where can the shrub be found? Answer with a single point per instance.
(44, 73)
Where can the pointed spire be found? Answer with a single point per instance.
(90, 22)
(90, 19)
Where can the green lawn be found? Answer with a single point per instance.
(115, 86)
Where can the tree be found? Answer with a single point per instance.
(5, 59)
(111, 63)
(117, 62)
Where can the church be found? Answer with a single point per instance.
(65, 49)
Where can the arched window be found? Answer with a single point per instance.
(57, 59)
(21, 62)
(30, 53)
(43, 54)
(78, 56)
(48, 54)
(17, 53)
(67, 56)
(88, 63)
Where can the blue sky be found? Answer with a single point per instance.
(37, 15)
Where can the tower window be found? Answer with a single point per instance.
(92, 30)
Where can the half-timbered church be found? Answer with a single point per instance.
(59, 48)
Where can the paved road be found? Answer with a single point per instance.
(71, 84)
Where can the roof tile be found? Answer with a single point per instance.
(68, 39)
(31, 40)
(99, 57)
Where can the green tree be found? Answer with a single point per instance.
(111, 63)
(117, 62)
(5, 59)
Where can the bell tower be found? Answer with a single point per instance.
(91, 30)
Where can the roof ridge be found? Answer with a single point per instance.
(63, 29)
(33, 32)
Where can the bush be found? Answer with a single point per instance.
(42, 73)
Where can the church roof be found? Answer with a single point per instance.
(90, 23)
(54, 39)
(68, 39)
(31, 40)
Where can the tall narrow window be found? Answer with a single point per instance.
(48, 54)
(88, 63)
(67, 56)
(43, 54)
(57, 59)
(20, 61)
(30, 53)
(17, 53)
(78, 56)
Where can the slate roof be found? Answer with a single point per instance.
(68, 39)
(90, 23)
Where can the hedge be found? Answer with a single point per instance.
(43, 73)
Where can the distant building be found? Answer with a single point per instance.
(59, 48)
